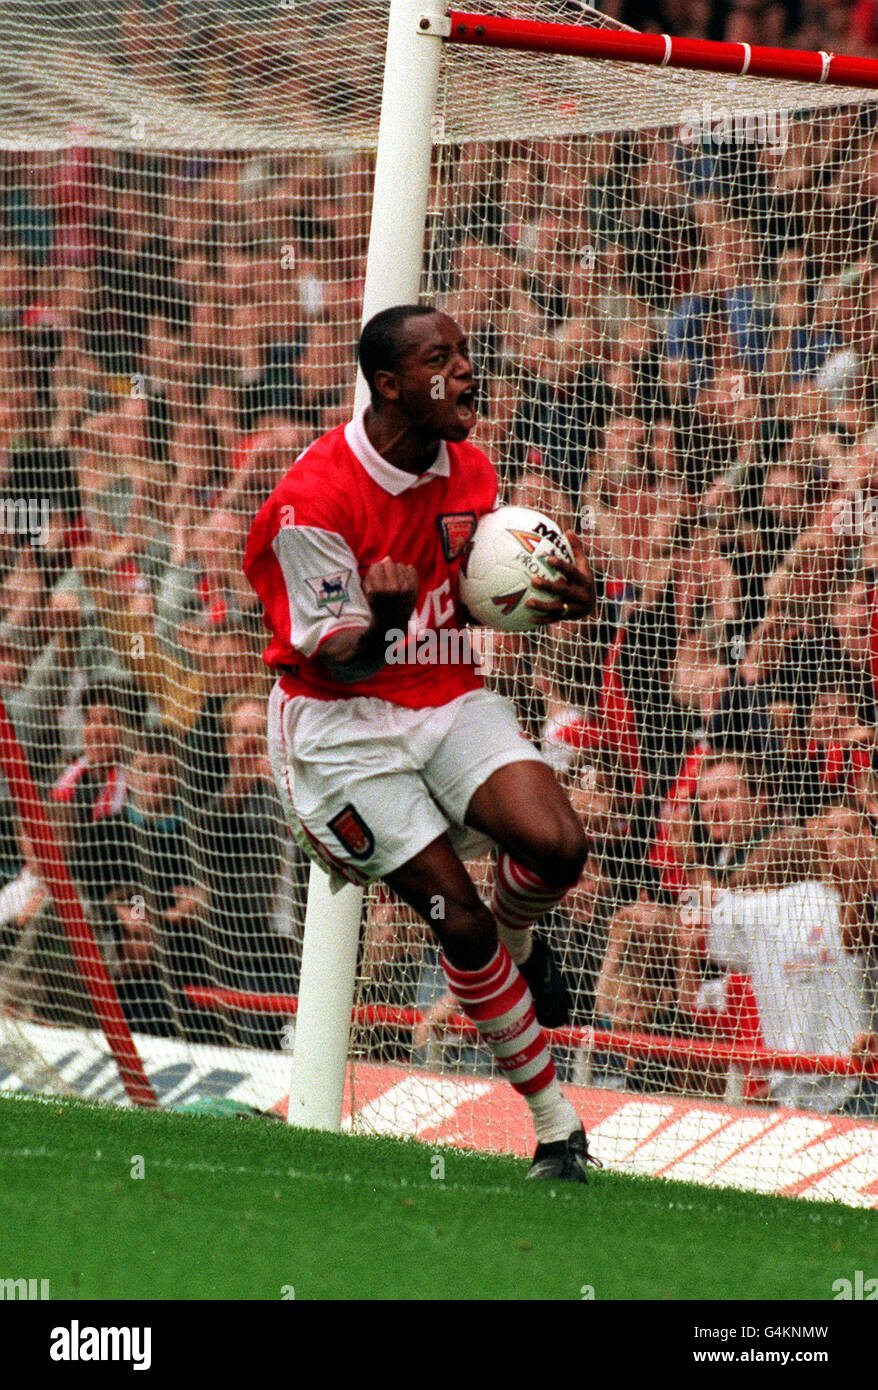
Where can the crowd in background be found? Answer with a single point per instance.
(675, 342)
(842, 27)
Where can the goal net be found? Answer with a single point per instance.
(668, 281)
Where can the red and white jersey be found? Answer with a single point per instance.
(341, 508)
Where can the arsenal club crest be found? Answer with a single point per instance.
(456, 530)
(324, 856)
(351, 830)
(331, 591)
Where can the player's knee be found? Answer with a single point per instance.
(560, 853)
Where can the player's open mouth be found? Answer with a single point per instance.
(465, 405)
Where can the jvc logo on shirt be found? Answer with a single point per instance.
(75, 1343)
(436, 610)
(427, 641)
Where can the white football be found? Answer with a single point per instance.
(509, 550)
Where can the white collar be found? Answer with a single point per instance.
(391, 479)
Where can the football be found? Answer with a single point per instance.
(510, 548)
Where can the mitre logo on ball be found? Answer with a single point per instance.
(511, 547)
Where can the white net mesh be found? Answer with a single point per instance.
(668, 282)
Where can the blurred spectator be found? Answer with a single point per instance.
(39, 978)
(155, 909)
(716, 814)
(222, 662)
(803, 947)
(89, 797)
(637, 992)
(204, 579)
(238, 835)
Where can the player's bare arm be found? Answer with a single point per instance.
(391, 590)
(572, 595)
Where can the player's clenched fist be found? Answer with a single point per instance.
(391, 591)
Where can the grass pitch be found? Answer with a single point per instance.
(231, 1208)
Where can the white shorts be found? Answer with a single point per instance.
(366, 785)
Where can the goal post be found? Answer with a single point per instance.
(393, 276)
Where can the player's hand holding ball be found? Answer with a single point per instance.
(571, 596)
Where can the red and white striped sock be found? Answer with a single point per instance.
(499, 1003)
(519, 897)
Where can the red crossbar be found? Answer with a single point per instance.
(661, 50)
(631, 1044)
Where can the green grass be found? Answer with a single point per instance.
(237, 1209)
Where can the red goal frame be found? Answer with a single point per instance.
(662, 51)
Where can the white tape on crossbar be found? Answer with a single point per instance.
(433, 24)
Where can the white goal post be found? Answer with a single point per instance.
(393, 276)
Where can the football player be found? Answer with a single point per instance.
(399, 770)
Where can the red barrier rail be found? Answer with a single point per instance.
(661, 50)
(83, 947)
(640, 1045)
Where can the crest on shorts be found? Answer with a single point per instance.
(331, 591)
(352, 832)
(325, 857)
(456, 530)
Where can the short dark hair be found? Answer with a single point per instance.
(382, 344)
(102, 693)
